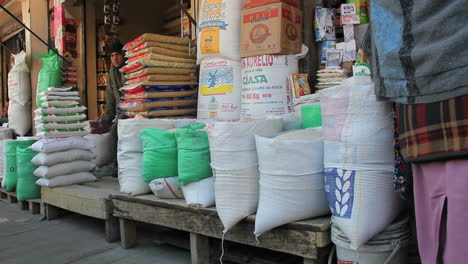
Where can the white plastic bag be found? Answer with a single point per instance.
(19, 117)
(291, 179)
(235, 166)
(219, 95)
(64, 169)
(167, 188)
(60, 144)
(49, 159)
(19, 82)
(70, 179)
(105, 148)
(219, 29)
(200, 194)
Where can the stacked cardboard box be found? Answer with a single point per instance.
(271, 27)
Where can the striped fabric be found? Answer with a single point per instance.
(434, 131)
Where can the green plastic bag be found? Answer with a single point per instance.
(159, 154)
(311, 116)
(11, 161)
(50, 74)
(193, 154)
(26, 187)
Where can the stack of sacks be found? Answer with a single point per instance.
(235, 166)
(161, 80)
(60, 114)
(158, 58)
(193, 165)
(159, 100)
(330, 77)
(358, 160)
(292, 184)
(160, 162)
(63, 161)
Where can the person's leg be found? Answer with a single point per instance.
(456, 248)
(429, 197)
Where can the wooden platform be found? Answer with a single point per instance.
(90, 199)
(33, 205)
(309, 239)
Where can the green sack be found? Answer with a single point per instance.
(193, 154)
(50, 74)
(159, 154)
(311, 116)
(26, 187)
(11, 160)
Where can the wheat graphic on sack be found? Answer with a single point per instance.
(342, 191)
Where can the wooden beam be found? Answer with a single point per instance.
(112, 229)
(51, 211)
(199, 249)
(127, 233)
(91, 63)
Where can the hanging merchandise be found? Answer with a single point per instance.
(193, 154)
(324, 29)
(49, 75)
(358, 134)
(219, 95)
(266, 87)
(26, 185)
(291, 179)
(235, 166)
(218, 33)
(130, 153)
(159, 154)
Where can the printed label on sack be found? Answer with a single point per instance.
(212, 21)
(218, 80)
(339, 186)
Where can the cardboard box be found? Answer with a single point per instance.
(350, 19)
(348, 9)
(259, 3)
(271, 29)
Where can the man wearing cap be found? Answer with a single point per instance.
(115, 81)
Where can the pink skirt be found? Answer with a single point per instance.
(441, 203)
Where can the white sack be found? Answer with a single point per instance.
(75, 178)
(61, 110)
(19, 117)
(200, 194)
(291, 179)
(56, 118)
(59, 103)
(6, 133)
(76, 125)
(60, 144)
(44, 159)
(19, 82)
(167, 188)
(219, 93)
(62, 134)
(130, 152)
(310, 99)
(358, 160)
(219, 29)
(266, 87)
(105, 148)
(235, 166)
(64, 169)
(59, 89)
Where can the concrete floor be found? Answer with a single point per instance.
(73, 239)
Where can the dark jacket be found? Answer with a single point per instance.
(115, 81)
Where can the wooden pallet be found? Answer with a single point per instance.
(309, 239)
(33, 205)
(90, 199)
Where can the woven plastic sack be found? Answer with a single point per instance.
(64, 169)
(49, 75)
(105, 150)
(19, 82)
(159, 154)
(193, 154)
(200, 193)
(61, 144)
(26, 186)
(166, 188)
(49, 159)
(19, 117)
(70, 179)
(11, 175)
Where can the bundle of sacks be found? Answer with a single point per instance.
(63, 161)
(60, 114)
(170, 156)
(330, 77)
(358, 160)
(160, 74)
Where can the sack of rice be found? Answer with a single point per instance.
(167, 188)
